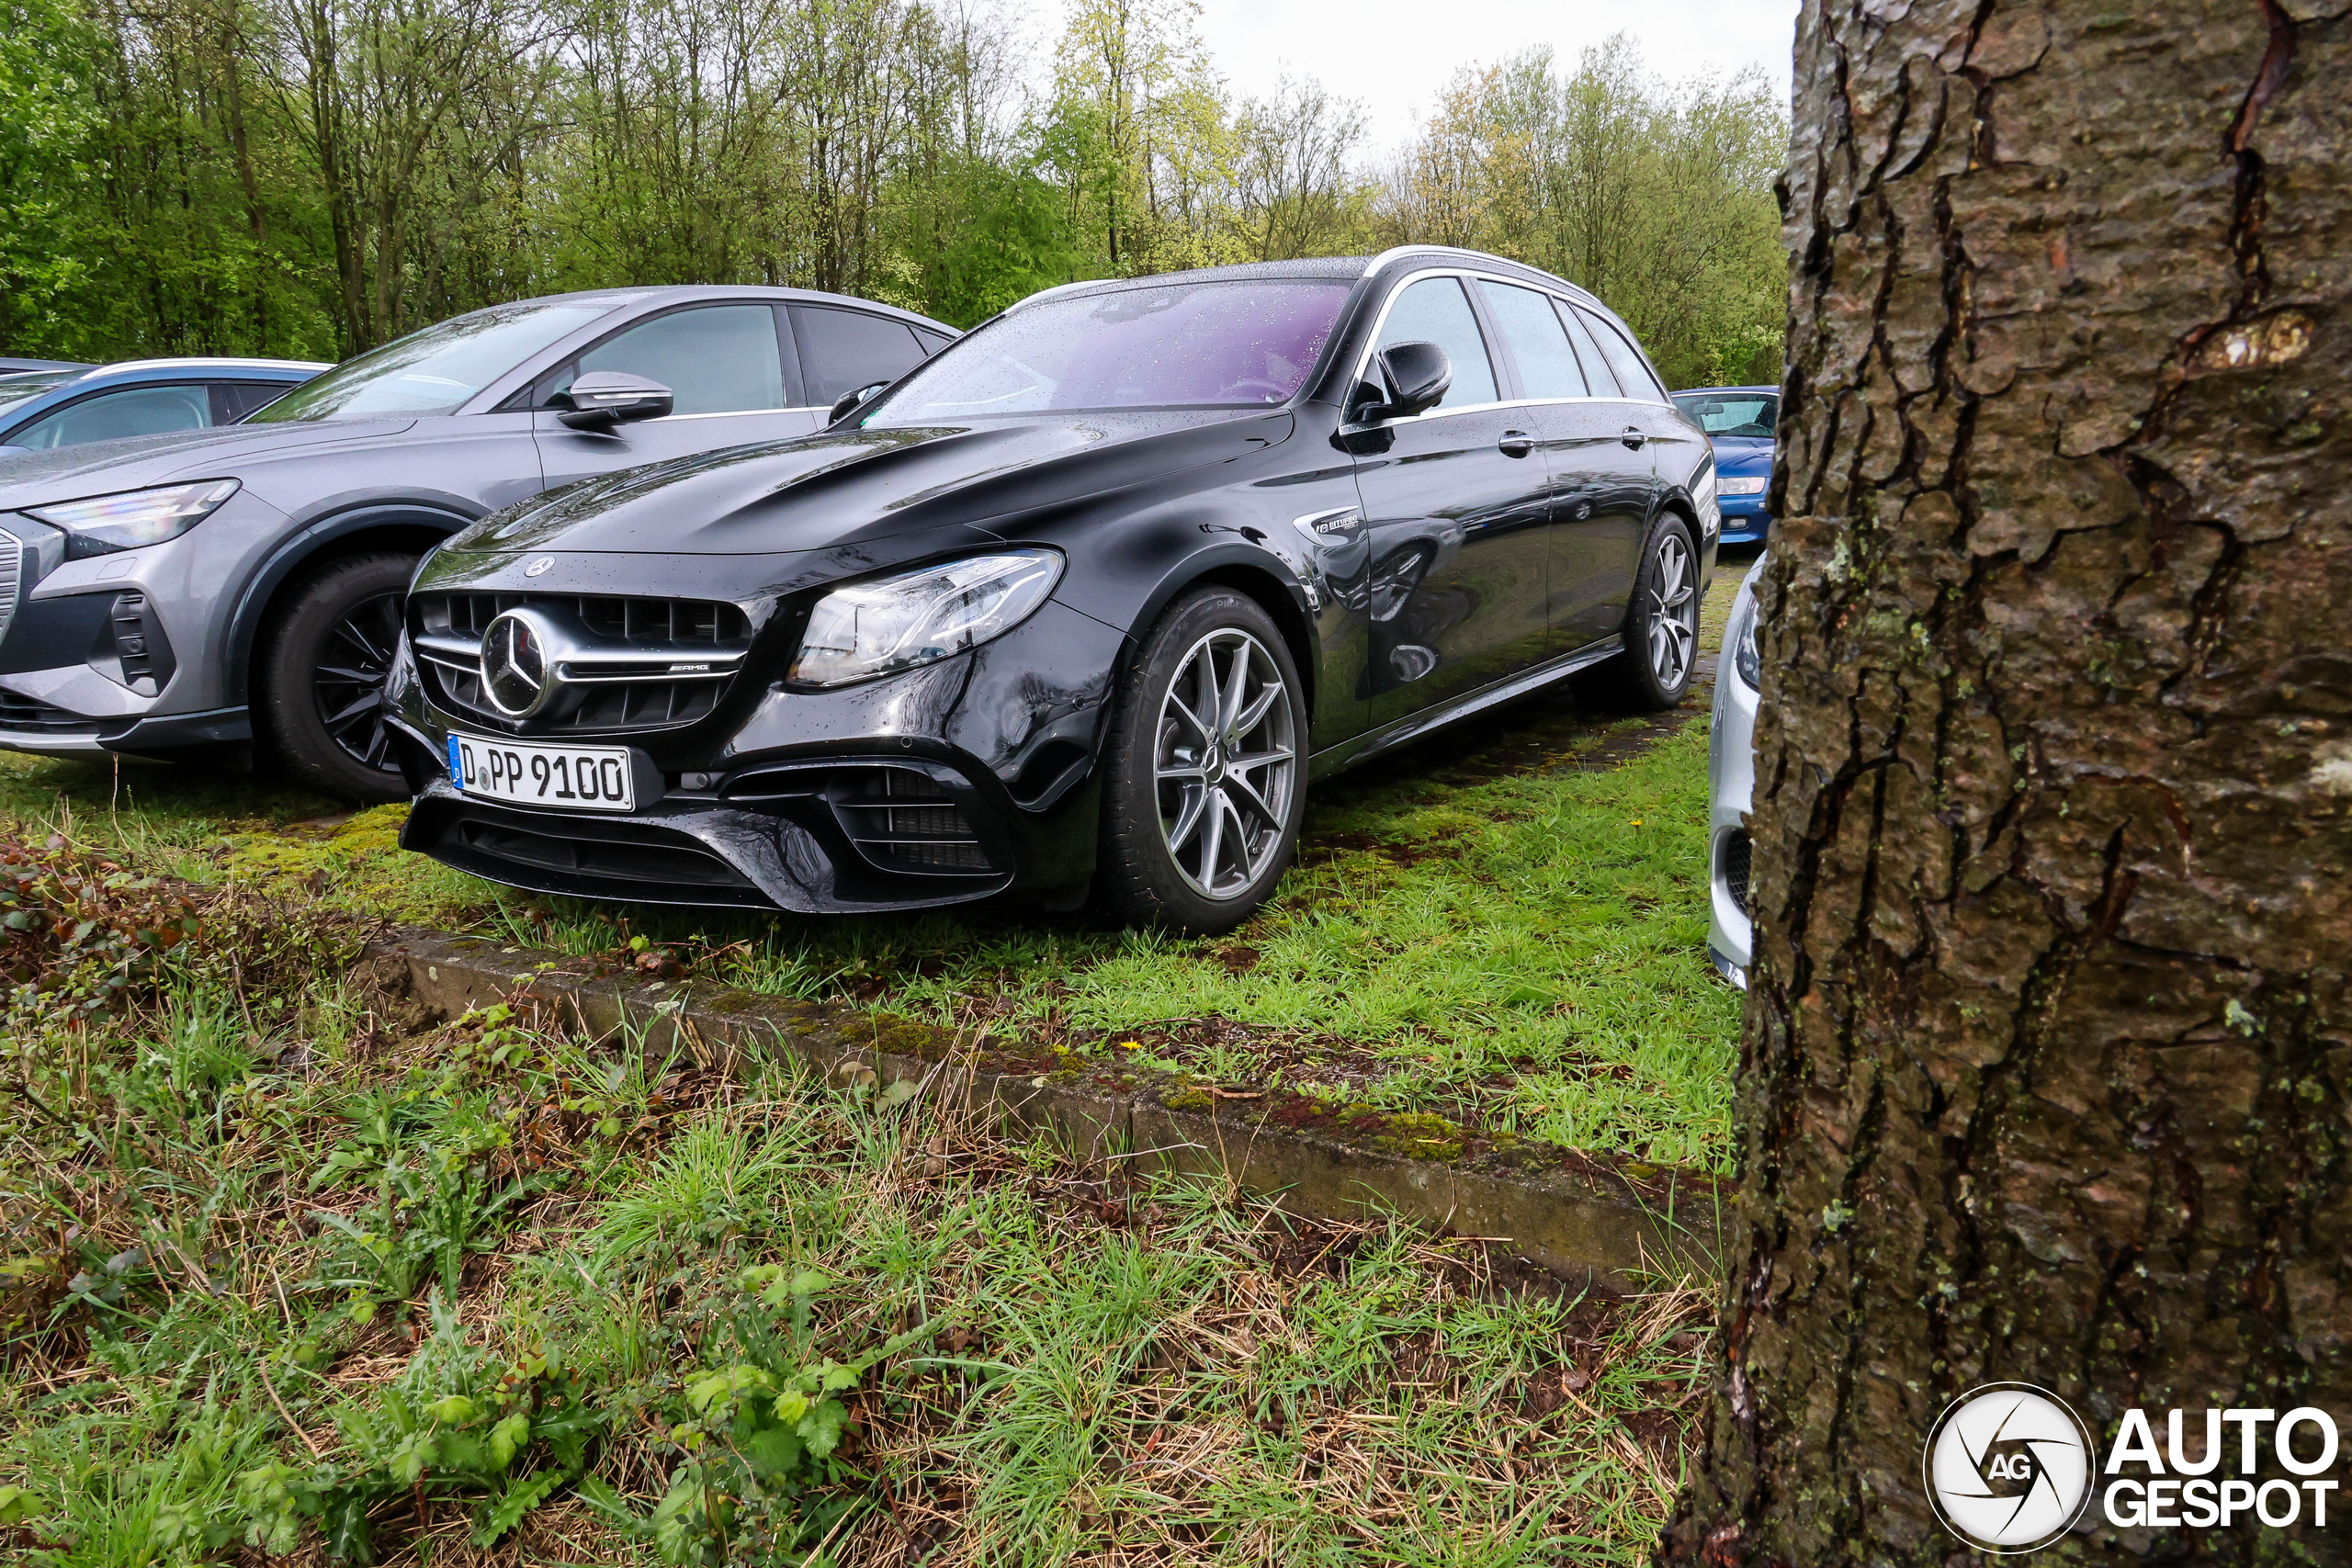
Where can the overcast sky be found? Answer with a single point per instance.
(1395, 55)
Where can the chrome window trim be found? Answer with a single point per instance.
(725, 413)
(1364, 361)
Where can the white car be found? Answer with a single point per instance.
(1731, 779)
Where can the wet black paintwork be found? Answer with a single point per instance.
(1436, 568)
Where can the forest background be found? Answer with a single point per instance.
(313, 177)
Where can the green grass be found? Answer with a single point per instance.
(289, 1272)
(1505, 925)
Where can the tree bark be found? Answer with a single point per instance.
(2047, 1057)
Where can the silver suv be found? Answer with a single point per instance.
(215, 590)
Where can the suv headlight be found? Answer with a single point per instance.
(919, 618)
(1744, 656)
(130, 518)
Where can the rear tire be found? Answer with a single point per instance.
(320, 669)
(1661, 628)
(1206, 776)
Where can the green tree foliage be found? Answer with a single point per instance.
(1657, 197)
(316, 176)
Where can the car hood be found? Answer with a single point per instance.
(845, 486)
(1742, 455)
(99, 467)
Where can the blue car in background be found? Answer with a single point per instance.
(43, 410)
(1740, 421)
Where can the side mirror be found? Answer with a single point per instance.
(603, 399)
(1417, 375)
(850, 402)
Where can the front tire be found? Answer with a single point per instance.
(1661, 628)
(1206, 781)
(320, 671)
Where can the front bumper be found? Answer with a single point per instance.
(1730, 788)
(1746, 521)
(969, 779)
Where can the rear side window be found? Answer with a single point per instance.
(1436, 311)
(232, 400)
(933, 341)
(112, 416)
(1538, 344)
(1632, 374)
(844, 350)
(713, 359)
(1596, 368)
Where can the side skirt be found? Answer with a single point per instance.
(1413, 726)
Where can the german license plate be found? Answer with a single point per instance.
(573, 778)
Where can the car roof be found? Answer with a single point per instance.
(166, 370)
(1335, 268)
(686, 293)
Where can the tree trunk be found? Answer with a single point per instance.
(2048, 1053)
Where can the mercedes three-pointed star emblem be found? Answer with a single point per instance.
(514, 664)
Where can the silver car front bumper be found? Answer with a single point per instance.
(1730, 788)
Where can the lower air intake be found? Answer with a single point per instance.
(903, 820)
(1736, 854)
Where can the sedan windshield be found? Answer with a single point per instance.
(24, 386)
(434, 370)
(1749, 414)
(1229, 343)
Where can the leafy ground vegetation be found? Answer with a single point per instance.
(288, 1274)
(1505, 926)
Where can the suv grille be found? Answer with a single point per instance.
(624, 664)
(1737, 852)
(12, 573)
(903, 820)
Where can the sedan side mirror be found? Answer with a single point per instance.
(603, 399)
(850, 402)
(1416, 376)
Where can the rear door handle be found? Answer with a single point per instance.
(1633, 436)
(1516, 444)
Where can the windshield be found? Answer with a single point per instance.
(1220, 345)
(431, 371)
(1747, 414)
(24, 386)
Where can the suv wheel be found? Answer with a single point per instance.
(1661, 627)
(320, 670)
(1207, 769)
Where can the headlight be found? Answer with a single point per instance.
(134, 517)
(1756, 486)
(917, 617)
(1744, 656)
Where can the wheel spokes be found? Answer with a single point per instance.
(1224, 812)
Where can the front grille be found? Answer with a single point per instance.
(903, 820)
(12, 576)
(641, 664)
(23, 713)
(1736, 854)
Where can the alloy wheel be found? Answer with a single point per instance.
(1225, 763)
(349, 682)
(1674, 611)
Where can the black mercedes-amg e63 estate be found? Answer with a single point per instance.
(1085, 602)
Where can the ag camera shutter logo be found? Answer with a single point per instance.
(2009, 1467)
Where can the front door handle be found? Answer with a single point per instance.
(1516, 444)
(1633, 436)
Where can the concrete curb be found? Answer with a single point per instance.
(1580, 1220)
